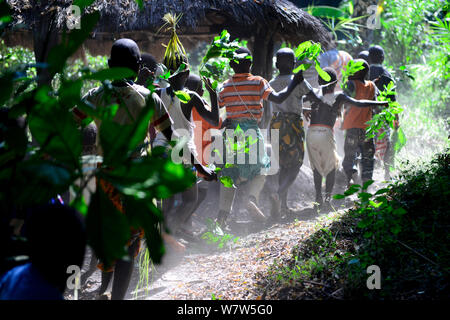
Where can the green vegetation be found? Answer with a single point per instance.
(215, 235)
(403, 229)
(35, 174)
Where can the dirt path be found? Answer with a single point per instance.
(207, 272)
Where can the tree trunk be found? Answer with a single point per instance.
(45, 37)
(263, 45)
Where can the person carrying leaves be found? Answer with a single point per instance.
(378, 73)
(287, 118)
(320, 140)
(132, 99)
(355, 124)
(180, 103)
(242, 96)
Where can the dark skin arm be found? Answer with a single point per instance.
(196, 102)
(343, 98)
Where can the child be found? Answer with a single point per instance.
(202, 142)
(183, 127)
(242, 97)
(287, 118)
(381, 77)
(125, 53)
(320, 138)
(355, 122)
(363, 55)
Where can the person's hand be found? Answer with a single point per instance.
(207, 174)
(298, 77)
(307, 114)
(144, 74)
(208, 85)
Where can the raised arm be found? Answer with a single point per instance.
(211, 116)
(279, 97)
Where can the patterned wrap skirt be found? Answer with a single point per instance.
(292, 136)
(256, 158)
(115, 197)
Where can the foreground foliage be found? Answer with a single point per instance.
(403, 229)
(34, 173)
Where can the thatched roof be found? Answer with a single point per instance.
(263, 22)
(240, 17)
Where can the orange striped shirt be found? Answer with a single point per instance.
(242, 96)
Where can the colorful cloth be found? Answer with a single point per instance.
(336, 59)
(202, 136)
(242, 172)
(291, 138)
(116, 199)
(242, 96)
(322, 149)
(355, 142)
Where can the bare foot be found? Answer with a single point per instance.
(255, 212)
(173, 243)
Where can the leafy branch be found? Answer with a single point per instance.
(310, 51)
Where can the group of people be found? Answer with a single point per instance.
(291, 98)
(242, 98)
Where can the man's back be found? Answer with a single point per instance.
(134, 98)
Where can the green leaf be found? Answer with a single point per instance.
(395, 229)
(54, 128)
(110, 74)
(140, 4)
(367, 184)
(183, 96)
(324, 75)
(352, 189)
(339, 196)
(304, 46)
(381, 191)
(37, 181)
(328, 12)
(107, 229)
(226, 181)
(120, 141)
(399, 139)
(364, 196)
(142, 213)
(80, 205)
(375, 204)
(83, 3)
(350, 7)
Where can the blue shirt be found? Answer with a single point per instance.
(25, 282)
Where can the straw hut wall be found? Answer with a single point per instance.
(263, 22)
